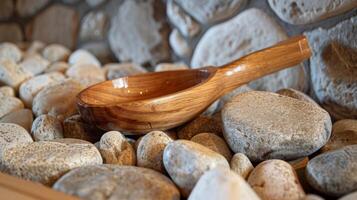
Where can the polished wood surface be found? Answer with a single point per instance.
(163, 100)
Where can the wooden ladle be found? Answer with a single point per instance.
(163, 100)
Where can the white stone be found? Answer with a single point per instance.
(10, 51)
(241, 165)
(100, 49)
(11, 74)
(34, 64)
(82, 56)
(93, 26)
(58, 67)
(86, 74)
(56, 52)
(179, 44)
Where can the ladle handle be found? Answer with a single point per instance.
(266, 61)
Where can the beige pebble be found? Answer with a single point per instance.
(201, 124)
(9, 104)
(86, 74)
(57, 67)
(55, 52)
(22, 117)
(74, 127)
(12, 74)
(241, 165)
(9, 51)
(34, 64)
(214, 143)
(35, 47)
(115, 149)
(81, 56)
(7, 91)
(170, 66)
(46, 127)
(150, 150)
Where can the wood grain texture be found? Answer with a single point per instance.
(163, 100)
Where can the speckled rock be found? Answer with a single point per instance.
(227, 97)
(12, 135)
(9, 51)
(186, 161)
(56, 52)
(30, 88)
(211, 11)
(22, 117)
(257, 30)
(74, 127)
(82, 56)
(46, 127)
(290, 92)
(213, 142)
(306, 11)
(179, 45)
(29, 7)
(7, 91)
(86, 74)
(58, 100)
(9, 104)
(57, 67)
(34, 64)
(335, 172)
(265, 125)
(46, 161)
(202, 124)
(12, 74)
(150, 150)
(241, 165)
(221, 183)
(115, 149)
(93, 26)
(344, 132)
(170, 66)
(102, 182)
(351, 196)
(118, 70)
(276, 179)
(332, 68)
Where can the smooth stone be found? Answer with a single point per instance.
(186, 161)
(81, 56)
(221, 183)
(170, 66)
(86, 74)
(179, 45)
(265, 125)
(332, 68)
(58, 100)
(241, 165)
(115, 149)
(55, 53)
(150, 150)
(351, 196)
(201, 124)
(34, 64)
(213, 142)
(46, 161)
(276, 179)
(6, 9)
(299, 12)
(10, 32)
(255, 31)
(7, 91)
(31, 87)
(93, 26)
(9, 51)
(135, 35)
(22, 117)
(312, 197)
(57, 67)
(335, 172)
(12, 74)
(35, 47)
(344, 133)
(183, 22)
(100, 49)
(290, 92)
(118, 70)
(46, 127)
(74, 127)
(207, 12)
(102, 182)
(25, 8)
(9, 105)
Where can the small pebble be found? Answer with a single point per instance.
(82, 56)
(201, 124)
(213, 142)
(46, 127)
(55, 52)
(9, 104)
(118, 70)
(7, 91)
(12, 74)
(9, 51)
(22, 117)
(57, 67)
(241, 165)
(86, 74)
(34, 64)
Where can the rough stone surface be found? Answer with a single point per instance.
(10, 32)
(276, 179)
(202, 124)
(46, 127)
(9, 104)
(135, 35)
(46, 161)
(220, 183)
(57, 24)
(9, 51)
(150, 150)
(118, 70)
(333, 68)
(55, 52)
(7, 91)
(186, 161)
(6, 9)
(102, 182)
(22, 117)
(26, 8)
(12, 74)
(74, 127)
(241, 165)
(170, 66)
(58, 100)
(30, 88)
(307, 11)
(82, 56)
(211, 11)
(265, 125)
(86, 74)
(335, 172)
(115, 149)
(255, 30)
(289, 92)
(57, 67)
(93, 26)
(213, 142)
(179, 45)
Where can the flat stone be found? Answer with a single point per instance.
(57, 67)
(213, 142)
(335, 172)
(118, 70)
(221, 183)
(46, 127)
(7, 91)
(211, 11)
(93, 26)
(182, 21)
(56, 52)
(241, 165)
(22, 117)
(10, 32)
(34, 64)
(305, 11)
(12, 74)
(6, 9)
(86, 74)
(56, 24)
(290, 92)
(101, 182)
(136, 35)
(9, 51)
(201, 124)
(344, 133)
(25, 8)
(100, 49)
(9, 104)
(265, 125)
(151, 149)
(31, 87)
(58, 100)
(74, 127)
(276, 179)
(255, 30)
(351, 196)
(179, 45)
(81, 56)
(46, 161)
(170, 66)
(115, 149)
(333, 69)
(186, 161)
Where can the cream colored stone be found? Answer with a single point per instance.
(56, 52)
(34, 64)
(9, 104)
(81, 56)
(86, 74)
(46, 127)
(9, 51)
(58, 67)
(241, 165)
(12, 74)
(7, 91)
(170, 66)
